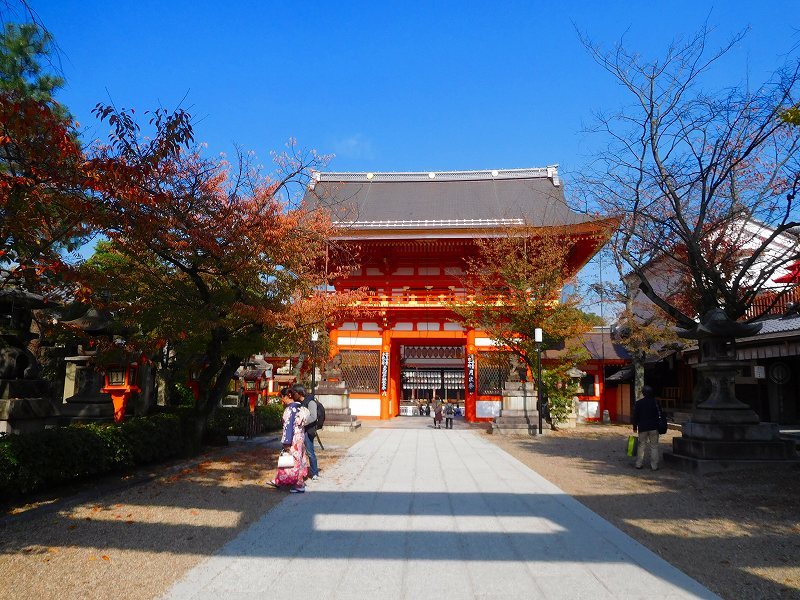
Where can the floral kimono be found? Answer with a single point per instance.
(294, 419)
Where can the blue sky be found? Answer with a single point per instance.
(389, 86)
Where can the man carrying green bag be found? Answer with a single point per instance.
(647, 422)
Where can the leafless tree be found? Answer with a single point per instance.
(705, 181)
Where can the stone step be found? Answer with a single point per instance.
(733, 450)
(704, 466)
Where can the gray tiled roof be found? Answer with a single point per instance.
(462, 199)
(781, 325)
(601, 346)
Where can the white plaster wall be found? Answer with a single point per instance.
(487, 409)
(359, 341)
(365, 407)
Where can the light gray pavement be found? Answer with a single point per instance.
(425, 513)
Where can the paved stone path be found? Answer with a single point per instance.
(425, 513)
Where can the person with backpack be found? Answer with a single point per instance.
(293, 441)
(449, 413)
(308, 402)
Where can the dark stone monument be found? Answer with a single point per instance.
(724, 432)
(25, 398)
(83, 400)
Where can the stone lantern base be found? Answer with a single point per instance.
(518, 415)
(724, 433)
(335, 397)
(25, 406)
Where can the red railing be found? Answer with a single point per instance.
(773, 302)
(420, 299)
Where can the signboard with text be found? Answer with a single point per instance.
(384, 371)
(471, 373)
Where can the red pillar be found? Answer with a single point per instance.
(385, 384)
(471, 378)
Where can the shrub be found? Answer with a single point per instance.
(42, 459)
(561, 390)
(154, 438)
(230, 420)
(271, 417)
(188, 418)
(182, 395)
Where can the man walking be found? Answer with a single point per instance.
(307, 400)
(646, 413)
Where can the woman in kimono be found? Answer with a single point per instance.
(294, 419)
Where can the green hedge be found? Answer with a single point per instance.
(271, 416)
(239, 420)
(43, 459)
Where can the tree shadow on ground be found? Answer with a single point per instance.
(197, 509)
(718, 528)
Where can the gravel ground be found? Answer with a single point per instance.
(736, 533)
(133, 537)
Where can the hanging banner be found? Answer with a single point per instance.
(384, 371)
(471, 373)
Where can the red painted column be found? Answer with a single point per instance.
(385, 385)
(395, 393)
(470, 378)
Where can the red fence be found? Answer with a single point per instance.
(773, 303)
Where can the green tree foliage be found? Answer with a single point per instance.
(561, 391)
(792, 115)
(26, 52)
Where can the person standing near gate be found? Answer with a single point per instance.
(449, 413)
(437, 412)
(299, 395)
(646, 413)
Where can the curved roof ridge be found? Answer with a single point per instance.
(475, 175)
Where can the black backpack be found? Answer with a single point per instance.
(320, 414)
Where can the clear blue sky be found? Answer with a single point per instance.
(389, 86)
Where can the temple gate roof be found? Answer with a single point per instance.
(445, 200)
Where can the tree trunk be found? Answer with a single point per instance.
(163, 384)
(638, 377)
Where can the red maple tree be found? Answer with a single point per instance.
(206, 261)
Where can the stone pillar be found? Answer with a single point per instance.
(86, 403)
(519, 415)
(145, 399)
(335, 397)
(25, 405)
(71, 383)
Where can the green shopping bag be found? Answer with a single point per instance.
(633, 445)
